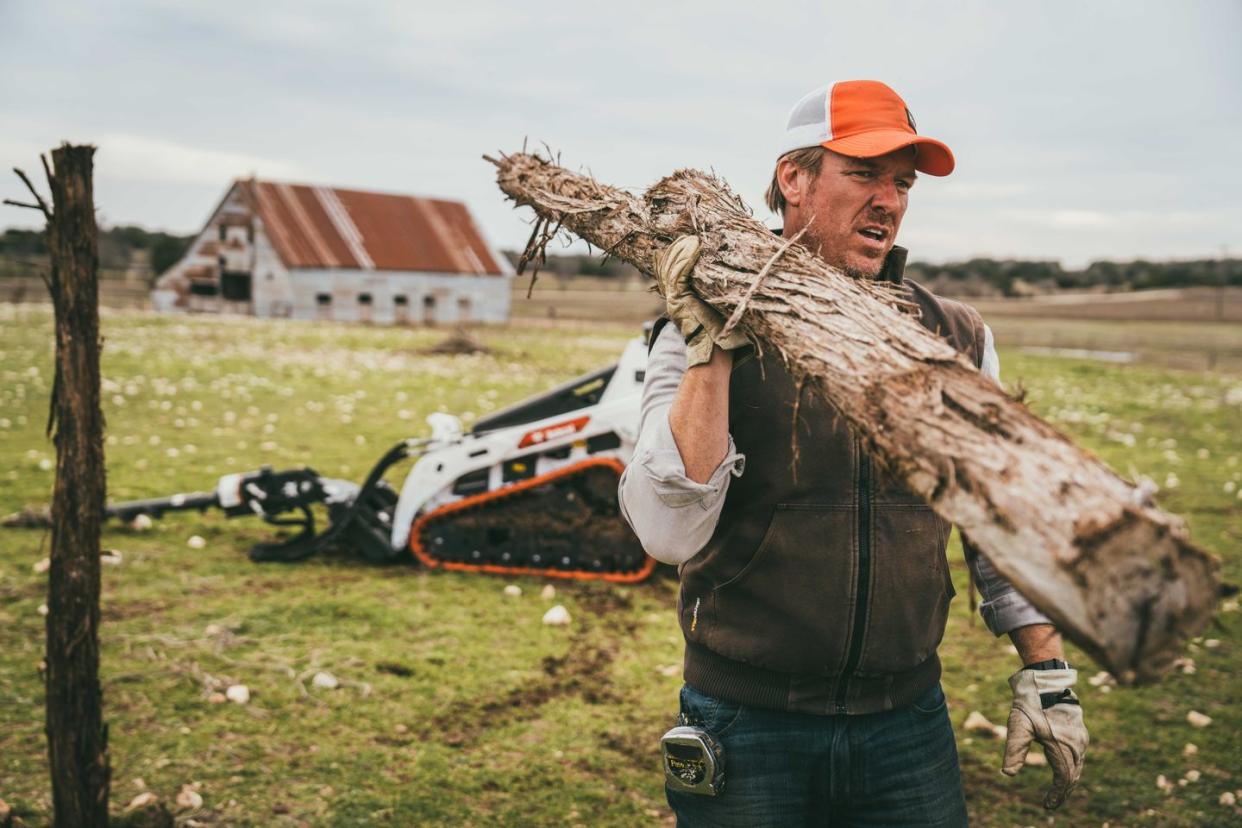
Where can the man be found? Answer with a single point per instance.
(814, 588)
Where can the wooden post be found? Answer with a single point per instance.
(76, 735)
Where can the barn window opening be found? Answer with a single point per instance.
(223, 230)
(323, 298)
(400, 301)
(364, 298)
(235, 286)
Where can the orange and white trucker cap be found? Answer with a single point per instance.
(861, 119)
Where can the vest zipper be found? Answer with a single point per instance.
(863, 582)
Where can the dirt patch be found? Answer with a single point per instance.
(583, 671)
(28, 518)
(460, 341)
(635, 744)
(109, 611)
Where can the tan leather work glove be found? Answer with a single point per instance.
(1046, 710)
(700, 324)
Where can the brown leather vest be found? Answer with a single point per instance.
(824, 591)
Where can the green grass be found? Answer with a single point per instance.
(457, 706)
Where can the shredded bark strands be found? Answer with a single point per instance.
(1118, 576)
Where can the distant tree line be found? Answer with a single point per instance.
(990, 277)
(566, 265)
(23, 252)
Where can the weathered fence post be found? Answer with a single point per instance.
(77, 737)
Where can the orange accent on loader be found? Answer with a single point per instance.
(432, 562)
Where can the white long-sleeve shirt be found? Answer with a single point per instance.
(674, 517)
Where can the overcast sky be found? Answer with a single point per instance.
(1082, 130)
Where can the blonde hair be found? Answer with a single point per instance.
(807, 158)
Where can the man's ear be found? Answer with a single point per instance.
(791, 181)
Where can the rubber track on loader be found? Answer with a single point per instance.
(563, 524)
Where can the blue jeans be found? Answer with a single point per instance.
(793, 769)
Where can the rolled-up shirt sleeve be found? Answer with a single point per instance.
(1003, 608)
(672, 515)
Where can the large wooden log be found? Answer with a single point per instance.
(1118, 576)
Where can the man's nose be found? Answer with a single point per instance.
(886, 198)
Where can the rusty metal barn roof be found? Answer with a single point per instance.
(328, 227)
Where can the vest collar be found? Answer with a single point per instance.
(894, 263)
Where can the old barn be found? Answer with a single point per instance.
(305, 252)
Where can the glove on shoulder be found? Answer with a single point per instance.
(700, 324)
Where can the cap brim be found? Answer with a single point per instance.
(932, 157)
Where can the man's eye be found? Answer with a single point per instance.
(864, 173)
(904, 185)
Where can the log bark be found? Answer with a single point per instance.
(76, 734)
(1119, 577)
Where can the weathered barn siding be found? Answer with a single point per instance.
(273, 288)
(375, 296)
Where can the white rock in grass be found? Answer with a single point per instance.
(1198, 719)
(42, 566)
(1190, 750)
(1101, 678)
(976, 722)
(548, 593)
(141, 523)
(325, 680)
(1164, 784)
(1212, 643)
(558, 616)
(670, 670)
(1227, 798)
(111, 557)
(189, 799)
(42, 610)
(196, 542)
(238, 694)
(142, 800)
(513, 591)
(1193, 775)
(217, 698)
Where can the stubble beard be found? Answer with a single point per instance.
(868, 272)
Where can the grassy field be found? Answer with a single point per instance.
(456, 706)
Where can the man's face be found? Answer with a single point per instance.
(852, 210)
